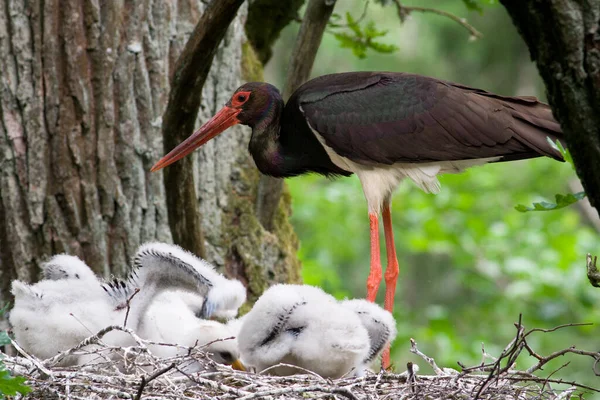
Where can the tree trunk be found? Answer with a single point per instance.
(84, 88)
(563, 37)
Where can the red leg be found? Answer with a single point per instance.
(375, 274)
(391, 272)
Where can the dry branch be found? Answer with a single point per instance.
(179, 120)
(405, 11)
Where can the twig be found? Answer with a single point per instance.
(554, 372)
(404, 11)
(430, 361)
(33, 360)
(556, 354)
(558, 381)
(128, 305)
(155, 375)
(592, 270)
(315, 388)
(94, 339)
(308, 371)
(357, 20)
(557, 328)
(411, 374)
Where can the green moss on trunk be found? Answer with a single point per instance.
(257, 257)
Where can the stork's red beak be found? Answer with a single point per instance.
(224, 119)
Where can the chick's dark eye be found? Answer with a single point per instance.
(226, 356)
(241, 97)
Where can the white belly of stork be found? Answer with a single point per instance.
(380, 181)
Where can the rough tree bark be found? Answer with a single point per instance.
(84, 85)
(563, 37)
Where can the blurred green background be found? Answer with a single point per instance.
(470, 263)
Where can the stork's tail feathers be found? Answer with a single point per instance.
(534, 125)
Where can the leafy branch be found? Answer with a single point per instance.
(360, 39)
(561, 200)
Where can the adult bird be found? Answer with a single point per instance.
(384, 127)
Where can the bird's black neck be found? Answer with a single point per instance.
(283, 145)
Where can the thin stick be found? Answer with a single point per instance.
(128, 305)
(430, 361)
(155, 375)
(404, 11)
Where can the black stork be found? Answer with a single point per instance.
(384, 127)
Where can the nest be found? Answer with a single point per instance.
(134, 373)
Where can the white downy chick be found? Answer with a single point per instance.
(57, 313)
(303, 326)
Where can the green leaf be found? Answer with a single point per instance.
(563, 152)
(562, 201)
(476, 5)
(382, 47)
(351, 42)
(11, 385)
(473, 5)
(359, 40)
(4, 339)
(353, 25)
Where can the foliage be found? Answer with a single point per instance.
(360, 39)
(562, 200)
(9, 385)
(476, 5)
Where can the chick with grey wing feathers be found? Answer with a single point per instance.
(176, 290)
(56, 314)
(159, 266)
(303, 326)
(380, 325)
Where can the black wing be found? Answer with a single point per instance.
(395, 117)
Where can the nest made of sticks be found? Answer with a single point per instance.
(134, 373)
